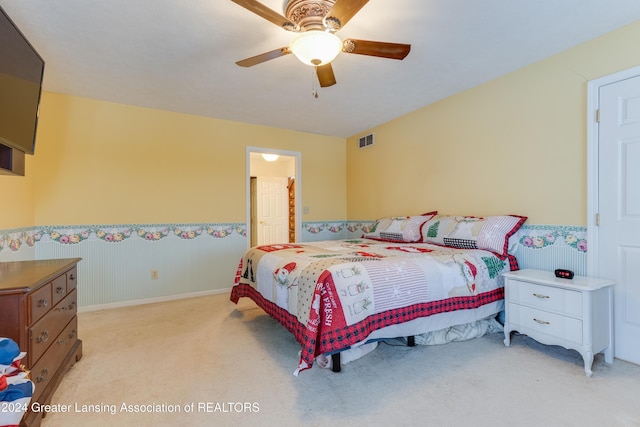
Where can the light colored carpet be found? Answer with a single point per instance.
(234, 364)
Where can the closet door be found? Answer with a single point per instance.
(619, 208)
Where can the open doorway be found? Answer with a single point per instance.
(273, 196)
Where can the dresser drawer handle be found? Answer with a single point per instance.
(72, 277)
(43, 303)
(43, 375)
(43, 337)
(542, 322)
(540, 296)
(59, 290)
(70, 307)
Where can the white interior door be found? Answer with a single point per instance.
(273, 210)
(619, 208)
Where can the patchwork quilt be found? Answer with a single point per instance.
(331, 295)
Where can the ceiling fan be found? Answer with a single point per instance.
(315, 44)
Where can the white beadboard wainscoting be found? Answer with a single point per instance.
(548, 247)
(121, 271)
(197, 259)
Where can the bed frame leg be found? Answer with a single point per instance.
(335, 362)
(411, 341)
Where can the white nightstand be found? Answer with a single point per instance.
(575, 314)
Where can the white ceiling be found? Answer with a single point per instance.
(179, 55)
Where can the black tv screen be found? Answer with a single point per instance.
(21, 71)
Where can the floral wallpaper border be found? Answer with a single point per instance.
(14, 239)
(67, 235)
(542, 236)
(530, 236)
(337, 227)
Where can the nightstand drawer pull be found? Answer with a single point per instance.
(542, 322)
(541, 296)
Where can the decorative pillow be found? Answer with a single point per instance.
(469, 232)
(399, 229)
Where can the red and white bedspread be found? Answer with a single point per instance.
(331, 295)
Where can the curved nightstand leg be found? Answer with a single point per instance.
(588, 363)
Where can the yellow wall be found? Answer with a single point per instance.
(517, 144)
(16, 203)
(104, 163)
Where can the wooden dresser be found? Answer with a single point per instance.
(38, 305)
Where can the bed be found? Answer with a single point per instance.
(407, 276)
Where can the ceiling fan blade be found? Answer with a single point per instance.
(343, 11)
(263, 57)
(379, 49)
(268, 14)
(325, 75)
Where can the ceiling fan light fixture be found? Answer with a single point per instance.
(316, 47)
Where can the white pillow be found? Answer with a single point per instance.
(469, 232)
(399, 229)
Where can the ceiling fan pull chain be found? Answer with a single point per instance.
(314, 82)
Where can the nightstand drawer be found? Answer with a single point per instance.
(543, 322)
(547, 298)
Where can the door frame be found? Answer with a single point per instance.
(593, 103)
(297, 191)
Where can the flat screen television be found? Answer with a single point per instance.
(21, 72)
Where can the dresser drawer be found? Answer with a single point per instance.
(45, 331)
(59, 288)
(72, 279)
(39, 303)
(45, 368)
(546, 298)
(543, 322)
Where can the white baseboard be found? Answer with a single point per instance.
(130, 303)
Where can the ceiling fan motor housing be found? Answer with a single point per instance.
(308, 14)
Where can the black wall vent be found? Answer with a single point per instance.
(365, 141)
